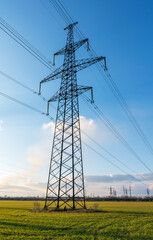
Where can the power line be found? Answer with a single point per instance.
(112, 163)
(18, 82)
(50, 12)
(105, 150)
(24, 86)
(24, 43)
(112, 85)
(24, 104)
(60, 11)
(108, 78)
(110, 154)
(109, 125)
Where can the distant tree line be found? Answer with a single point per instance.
(122, 198)
(92, 199)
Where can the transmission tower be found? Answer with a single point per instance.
(65, 186)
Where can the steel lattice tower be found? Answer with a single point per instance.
(66, 180)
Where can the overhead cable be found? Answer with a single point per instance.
(112, 163)
(24, 43)
(24, 86)
(109, 153)
(115, 132)
(105, 150)
(105, 73)
(24, 104)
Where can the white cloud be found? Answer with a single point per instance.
(87, 126)
(93, 129)
(38, 155)
(1, 122)
(49, 125)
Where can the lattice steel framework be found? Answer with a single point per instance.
(66, 180)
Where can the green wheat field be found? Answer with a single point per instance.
(116, 220)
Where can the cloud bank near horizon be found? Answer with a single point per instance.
(139, 177)
(97, 185)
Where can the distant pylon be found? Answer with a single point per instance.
(65, 186)
(110, 191)
(148, 192)
(130, 190)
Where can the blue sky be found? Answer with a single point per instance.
(119, 30)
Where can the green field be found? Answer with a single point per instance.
(117, 220)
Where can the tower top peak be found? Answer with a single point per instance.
(71, 25)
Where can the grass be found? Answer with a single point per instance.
(118, 220)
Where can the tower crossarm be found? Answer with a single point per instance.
(76, 46)
(84, 63)
(76, 92)
(79, 65)
(82, 89)
(54, 75)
